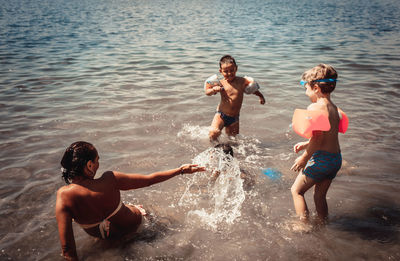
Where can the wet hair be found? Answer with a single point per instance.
(319, 72)
(227, 59)
(226, 148)
(75, 159)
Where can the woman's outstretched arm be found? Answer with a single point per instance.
(133, 181)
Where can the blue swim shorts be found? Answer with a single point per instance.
(228, 120)
(323, 165)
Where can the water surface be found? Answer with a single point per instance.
(128, 77)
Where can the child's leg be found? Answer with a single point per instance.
(216, 127)
(299, 187)
(320, 190)
(233, 129)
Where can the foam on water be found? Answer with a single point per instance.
(195, 132)
(218, 201)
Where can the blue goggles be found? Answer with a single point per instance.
(322, 80)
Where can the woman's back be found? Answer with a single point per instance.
(91, 201)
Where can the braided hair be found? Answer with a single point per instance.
(75, 158)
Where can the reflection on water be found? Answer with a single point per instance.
(380, 224)
(128, 77)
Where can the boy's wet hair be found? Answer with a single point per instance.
(227, 59)
(75, 158)
(319, 72)
(226, 148)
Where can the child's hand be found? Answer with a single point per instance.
(191, 168)
(261, 96)
(299, 164)
(300, 146)
(217, 89)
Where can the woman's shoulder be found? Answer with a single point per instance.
(66, 195)
(107, 179)
(66, 190)
(108, 175)
(106, 182)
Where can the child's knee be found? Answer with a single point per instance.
(232, 130)
(296, 190)
(232, 133)
(214, 134)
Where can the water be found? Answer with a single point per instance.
(128, 77)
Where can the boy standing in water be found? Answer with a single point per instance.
(231, 89)
(321, 159)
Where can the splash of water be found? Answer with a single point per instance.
(216, 199)
(194, 132)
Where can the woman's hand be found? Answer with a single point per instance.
(190, 168)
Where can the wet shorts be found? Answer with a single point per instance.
(323, 165)
(228, 120)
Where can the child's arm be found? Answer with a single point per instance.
(252, 87)
(300, 146)
(213, 89)
(312, 146)
(261, 96)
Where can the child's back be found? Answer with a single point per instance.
(329, 139)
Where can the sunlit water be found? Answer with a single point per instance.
(128, 77)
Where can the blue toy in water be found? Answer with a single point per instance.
(272, 173)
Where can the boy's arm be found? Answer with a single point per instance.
(313, 144)
(212, 89)
(261, 96)
(300, 146)
(252, 87)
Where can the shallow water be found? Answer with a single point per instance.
(128, 77)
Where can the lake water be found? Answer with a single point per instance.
(128, 77)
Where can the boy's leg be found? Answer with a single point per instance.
(320, 190)
(233, 129)
(216, 127)
(299, 187)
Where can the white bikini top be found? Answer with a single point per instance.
(86, 226)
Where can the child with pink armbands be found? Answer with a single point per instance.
(322, 158)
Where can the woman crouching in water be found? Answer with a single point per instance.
(95, 204)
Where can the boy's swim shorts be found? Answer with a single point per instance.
(323, 165)
(228, 120)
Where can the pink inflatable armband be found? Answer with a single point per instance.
(304, 122)
(344, 121)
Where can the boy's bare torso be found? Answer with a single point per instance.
(232, 96)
